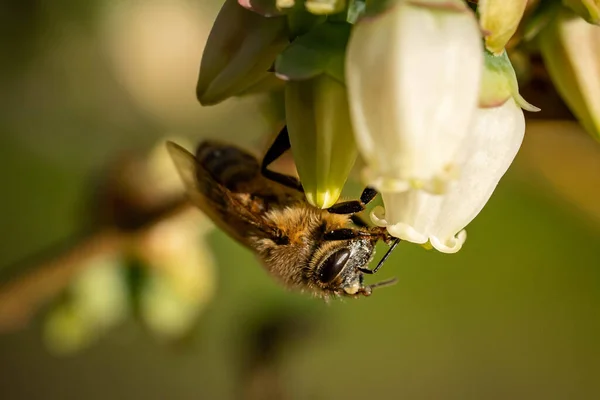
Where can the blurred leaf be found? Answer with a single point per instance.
(97, 301)
(66, 331)
(167, 312)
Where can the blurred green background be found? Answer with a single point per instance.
(514, 315)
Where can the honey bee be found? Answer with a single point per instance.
(321, 251)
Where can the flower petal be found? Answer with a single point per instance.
(413, 74)
(416, 216)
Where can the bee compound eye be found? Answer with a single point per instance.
(333, 265)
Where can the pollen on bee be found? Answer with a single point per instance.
(352, 289)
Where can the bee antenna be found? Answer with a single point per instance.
(367, 290)
(387, 282)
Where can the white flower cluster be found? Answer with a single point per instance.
(434, 150)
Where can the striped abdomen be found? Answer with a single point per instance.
(228, 165)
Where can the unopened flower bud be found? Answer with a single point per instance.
(570, 48)
(317, 112)
(240, 50)
(321, 137)
(587, 9)
(499, 19)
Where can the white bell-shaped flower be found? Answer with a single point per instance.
(416, 216)
(413, 74)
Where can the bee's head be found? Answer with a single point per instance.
(337, 266)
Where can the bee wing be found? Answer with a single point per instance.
(225, 208)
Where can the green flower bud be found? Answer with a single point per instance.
(320, 51)
(587, 9)
(321, 136)
(240, 50)
(569, 47)
(499, 19)
(499, 83)
(317, 111)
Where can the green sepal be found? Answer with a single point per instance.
(356, 9)
(499, 83)
(300, 21)
(321, 51)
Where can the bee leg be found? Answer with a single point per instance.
(385, 257)
(279, 146)
(358, 221)
(354, 206)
